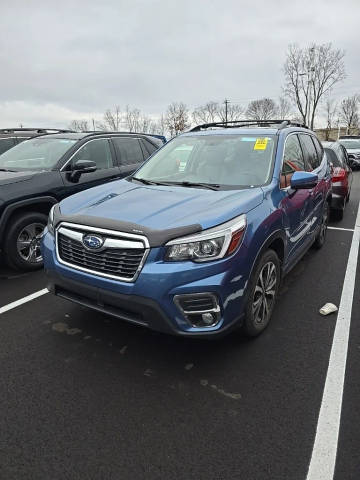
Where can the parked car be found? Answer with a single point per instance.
(42, 171)
(196, 247)
(9, 137)
(341, 177)
(352, 145)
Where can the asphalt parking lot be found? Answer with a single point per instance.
(85, 396)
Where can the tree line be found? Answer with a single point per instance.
(310, 75)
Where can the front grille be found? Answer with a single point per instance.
(115, 262)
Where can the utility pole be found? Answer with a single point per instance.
(226, 109)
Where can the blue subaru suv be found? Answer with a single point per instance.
(195, 242)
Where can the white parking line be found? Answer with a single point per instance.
(323, 458)
(23, 300)
(339, 228)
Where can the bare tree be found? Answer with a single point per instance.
(159, 126)
(112, 120)
(207, 113)
(263, 109)
(177, 118)
(330, 110)
(132, 119)
(79, 125)
(310, 73)
(349, 112)
(284, 109)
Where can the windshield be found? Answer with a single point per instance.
(35, 154)
(223, 160)
(350, 143)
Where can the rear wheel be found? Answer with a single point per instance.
(321, 236)
(22, 243)
(263, 289)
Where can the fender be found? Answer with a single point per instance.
(277, 234)
(10, 209)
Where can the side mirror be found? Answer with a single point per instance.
(80, 167)
(303, 180)
(84, 166)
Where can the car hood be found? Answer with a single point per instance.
(7, 178)
(353, 150)
(160, 207)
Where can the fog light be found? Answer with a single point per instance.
(200, 309)
(207, 318)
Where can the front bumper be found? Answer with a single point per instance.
(149, 301)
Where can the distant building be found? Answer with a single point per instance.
(335, 133)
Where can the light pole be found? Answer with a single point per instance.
(226, 109)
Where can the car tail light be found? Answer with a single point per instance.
(338, 174)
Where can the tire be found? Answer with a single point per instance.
(321, 236)
(256, 318)
(22, 242)
(338, 214)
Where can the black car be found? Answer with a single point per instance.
(9, 137)
(42, 171)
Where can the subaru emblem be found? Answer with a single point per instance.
(93, 242)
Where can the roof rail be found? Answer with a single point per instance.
(106, 132)
(36, 130)
(248, 123)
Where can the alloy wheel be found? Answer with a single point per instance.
(28, 243)
(264, 294)
(324, 223)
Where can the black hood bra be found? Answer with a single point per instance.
(156, 238)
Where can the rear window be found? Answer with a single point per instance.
(333, 158)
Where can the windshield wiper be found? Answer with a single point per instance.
(147, 182)
(7, 170)
(210, 186)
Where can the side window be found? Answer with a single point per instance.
(97, 151)
(148, 147)
(319, 149)
(311, 156)
(6, 143)
(130, 150)
(293, 160)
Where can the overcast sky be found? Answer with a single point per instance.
(65, 60)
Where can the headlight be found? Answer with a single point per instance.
(210, 244)
(50, 224)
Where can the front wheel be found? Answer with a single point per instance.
(22, 243)
(321, 236)
(263, 289)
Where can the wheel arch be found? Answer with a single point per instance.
(275, 241)
(37, 204)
